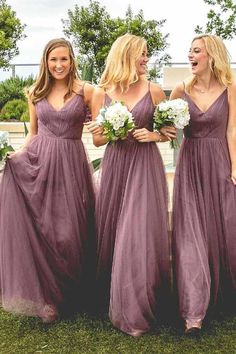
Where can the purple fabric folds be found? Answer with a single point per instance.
(46, 215)
(204, 219)
(131, 212)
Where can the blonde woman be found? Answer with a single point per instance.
(47, 198)
(131, 209)
(204, 224)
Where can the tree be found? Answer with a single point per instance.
(11, 31)
(221, 19)
(93, 31)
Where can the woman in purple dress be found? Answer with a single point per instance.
(133, 267)
(204, 218)
(47, 197)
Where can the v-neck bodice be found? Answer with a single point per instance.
(66, 123)
(142, 110)
(209, 124)
(64, 105)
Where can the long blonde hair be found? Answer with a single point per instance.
(43, 84)
(120, 70)
(219, 60)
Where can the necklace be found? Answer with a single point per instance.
(202, 90)
(205, 90)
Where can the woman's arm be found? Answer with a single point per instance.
(88, 94)
(231, 130)
(177, 92)
(97, 102)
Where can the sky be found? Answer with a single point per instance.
(43, 22)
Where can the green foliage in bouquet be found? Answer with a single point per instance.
(4, 145)
(4, 150)
(171, 113)
(121, 133)
(116, 121)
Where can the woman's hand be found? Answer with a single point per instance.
(233, 176)
(169, 132)
(143, 135)
(94, 128)
(12, 154)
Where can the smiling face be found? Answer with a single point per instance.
(59, 63)
(198, 57)
(141, 63)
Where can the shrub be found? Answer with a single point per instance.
(25, 116)
(13, 109)
(13, 88)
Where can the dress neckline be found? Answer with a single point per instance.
(64, 106)
(211, 105)
(134, 106)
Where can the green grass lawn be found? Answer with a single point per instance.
(22, 335)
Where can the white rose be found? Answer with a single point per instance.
(4, 136)
(100, 119)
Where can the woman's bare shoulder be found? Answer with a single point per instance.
(232, 88)
(178, 91)
(99, 92)
(78, 85)
(157, 93)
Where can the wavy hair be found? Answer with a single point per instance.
(120, 69)
(219, 60)
(43, 84)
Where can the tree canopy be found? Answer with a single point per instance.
(92, 31)
(11, 31)
(221, 19)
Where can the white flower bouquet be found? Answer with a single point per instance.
(173, 112)
(4, 145)
(116, 121)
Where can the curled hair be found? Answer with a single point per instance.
(219, 60)
(43, 84)
(120, 69)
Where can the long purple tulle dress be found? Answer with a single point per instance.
(131, 214)
(204, 221)
(46, 216)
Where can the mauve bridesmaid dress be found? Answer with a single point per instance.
(204, 218)
(46, 216)
(133, 270)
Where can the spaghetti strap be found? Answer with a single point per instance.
(184, 90)
(81, 91)
(82, 88)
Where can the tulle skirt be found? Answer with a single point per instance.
(46, 227)
(204, 227)
(133, 245)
